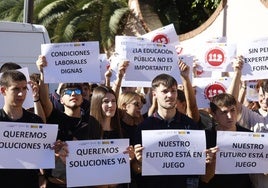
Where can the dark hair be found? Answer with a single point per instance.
(222, 100)
(165, 80)
(262, 84)
(181, 95)
(10, 76)
(9, 66)
(35, 77)
(70, 85)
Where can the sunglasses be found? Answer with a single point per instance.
(70, 91)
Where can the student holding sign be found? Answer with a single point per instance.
(224, 111)
(69, 121)
(250, 119)
(14, 89)
(164, 89)
(186, 101)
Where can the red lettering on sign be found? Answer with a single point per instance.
(161, 38)
(215, 57)
(214, 89)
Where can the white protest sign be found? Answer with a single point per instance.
(164, 35)
(216, 56)
(147, 60)
(104, 66)
(187, 59)
(27, 145)
(241, 152)
(206, 88)
(100, 162)
(255, 58)
(121, 42)
(28, 103)
(251, 90)
(173, 152)
(72, 62)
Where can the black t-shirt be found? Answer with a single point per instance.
(15, 178)
(225, 180)
(94, 131)
(128, 131)
(155, 122)
(67, 126)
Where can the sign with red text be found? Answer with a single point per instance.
(216, 56)
(255, 60)
(206, 88)
(27, 145)
(241, 152)
(173, 152)
(163, 35)
(72, 62)
(100, 162)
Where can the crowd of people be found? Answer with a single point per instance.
(86, 111)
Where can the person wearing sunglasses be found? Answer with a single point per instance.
(55, 98)
(69, 121)
(129, 105)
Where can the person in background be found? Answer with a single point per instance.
(9, 66)
(262, 110)
(129, 106)
(86, 91)
(37, 108)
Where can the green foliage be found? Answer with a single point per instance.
(11, 10)
(209, 4)
(186, 15)
(102, 20)
(82, 20)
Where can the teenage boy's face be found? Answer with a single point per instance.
(226, 117)
(266, 99)
(72, 97)
(15, 94)
(263, 99)
(166, 97)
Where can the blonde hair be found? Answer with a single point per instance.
(126, 97)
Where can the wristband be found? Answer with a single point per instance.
(37, 100)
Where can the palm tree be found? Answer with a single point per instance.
(11, 10)
(83, 20)
(74, 20)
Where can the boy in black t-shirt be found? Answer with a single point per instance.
(13, 86)
(70, 120)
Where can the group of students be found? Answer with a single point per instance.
(111, 114)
